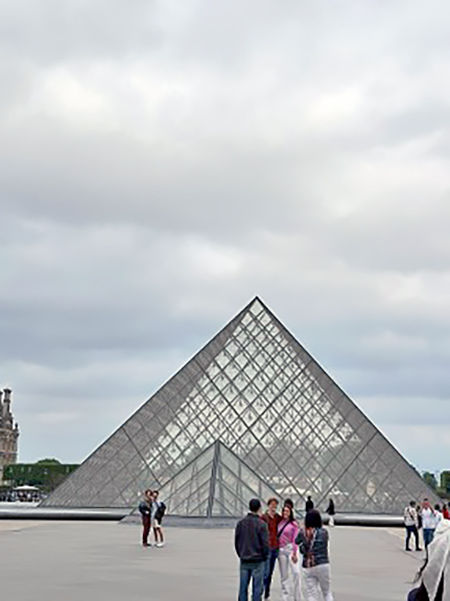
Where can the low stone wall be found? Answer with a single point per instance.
(340, 519)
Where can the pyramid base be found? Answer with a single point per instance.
(342, 519)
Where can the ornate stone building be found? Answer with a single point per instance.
(9, 432)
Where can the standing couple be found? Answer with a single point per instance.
(152, 511)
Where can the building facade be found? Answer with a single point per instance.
(9, 432)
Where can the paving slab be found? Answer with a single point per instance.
(73, 561)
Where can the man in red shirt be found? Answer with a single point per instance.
(272, 519)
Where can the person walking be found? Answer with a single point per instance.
(429, 522)
(288, 556)
(309, 505)
(313, 544)
(411, 524)
(145, 509)
(251, 542)
(272, 519)
(331, 512)
(158, 511)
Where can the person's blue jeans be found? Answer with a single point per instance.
(255, 572)
(268, 570)
(428, 535)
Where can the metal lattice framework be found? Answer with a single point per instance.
(274, 410)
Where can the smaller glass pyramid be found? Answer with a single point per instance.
(217, 483)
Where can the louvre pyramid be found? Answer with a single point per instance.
(255, 389)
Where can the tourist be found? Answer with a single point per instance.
(251, 542)
(145, 509)
(288, 556)
(313, 545)
(419, 517)
(272, 519)
(158, 511)
(434, 575)
(445, 512)
(430, 519)
(309, 505)
(331, 512)
(411, 524)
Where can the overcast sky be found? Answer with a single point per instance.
(163, 162)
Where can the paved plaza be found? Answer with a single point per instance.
(91, 561)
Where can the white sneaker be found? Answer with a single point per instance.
(160, 545)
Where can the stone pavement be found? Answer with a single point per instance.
(80, 561)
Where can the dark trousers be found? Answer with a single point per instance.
(145, 529)
(428, 535)
(255, 572)
(409, 531)
(268, 570)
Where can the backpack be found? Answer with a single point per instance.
(160, 511)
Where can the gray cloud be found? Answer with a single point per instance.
(161, 163)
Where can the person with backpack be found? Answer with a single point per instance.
(411, 522)
(158, 511)
(313, 544)
(288, 556)
(145, 509)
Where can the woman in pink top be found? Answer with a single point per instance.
(288, 556)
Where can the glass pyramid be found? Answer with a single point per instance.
(257, 391)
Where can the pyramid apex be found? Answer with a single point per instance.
(256, 300)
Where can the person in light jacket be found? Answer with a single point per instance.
(430, 521)
(411, 522)
(313, 544)
(288, 561)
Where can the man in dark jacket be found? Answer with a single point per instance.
(251, 542)
(145, 509)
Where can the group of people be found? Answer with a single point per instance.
(263, 539)
(423, 517)
(152, 511)
(434, 576)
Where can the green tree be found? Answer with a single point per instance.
(45, 474)
(445, 481)
(430, 479)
